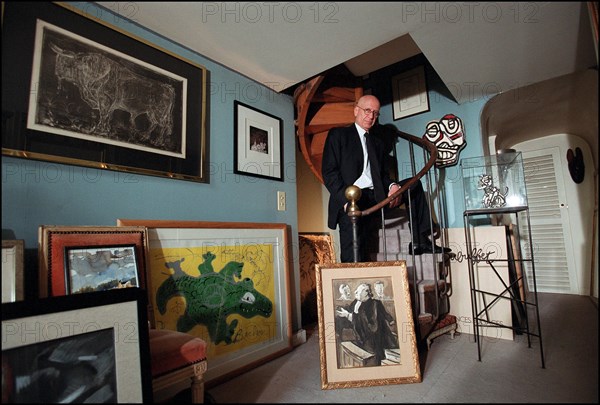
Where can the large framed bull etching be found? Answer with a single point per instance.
(99, 97)
(225, 282)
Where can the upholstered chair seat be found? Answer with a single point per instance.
(178, 362)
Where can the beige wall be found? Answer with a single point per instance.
(563, 105)
(312, 202)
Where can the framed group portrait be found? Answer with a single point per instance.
(366, 329)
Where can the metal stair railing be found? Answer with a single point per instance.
(354, 212)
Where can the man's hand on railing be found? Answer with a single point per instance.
(393, 189)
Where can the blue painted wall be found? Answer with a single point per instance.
(36, 193)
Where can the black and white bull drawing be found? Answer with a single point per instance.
(125, 105)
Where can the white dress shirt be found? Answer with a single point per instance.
(365, 180)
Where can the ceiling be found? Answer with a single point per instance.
(477, 49)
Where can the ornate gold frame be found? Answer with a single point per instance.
(401, 369)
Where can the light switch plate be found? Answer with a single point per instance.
(281, 201)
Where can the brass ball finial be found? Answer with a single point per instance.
(353, 194)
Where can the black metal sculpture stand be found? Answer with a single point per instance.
(481, 316)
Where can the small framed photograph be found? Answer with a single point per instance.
(65, 349)
(99, 268)
(258, 143)
(410, 96)
(13, 286)
(90, 258)
(366, 329)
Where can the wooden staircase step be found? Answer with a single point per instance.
(335, 94)
(305, 91)
(429, 285)
(318, 144)
(324, 102)
(314, 129)
(427, 296)
(337, 114)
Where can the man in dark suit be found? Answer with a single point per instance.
(371, 322)
(346, 161)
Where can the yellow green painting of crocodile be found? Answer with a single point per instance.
(224, 295)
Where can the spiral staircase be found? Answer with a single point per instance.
(327, 101)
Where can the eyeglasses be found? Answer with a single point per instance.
(368, 111)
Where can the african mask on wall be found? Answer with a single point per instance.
(448, 135)
(576, 165)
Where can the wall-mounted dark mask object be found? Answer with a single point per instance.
(576, 166)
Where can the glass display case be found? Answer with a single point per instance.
(494, 182)
(495, 185)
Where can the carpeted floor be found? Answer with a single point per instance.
(510, 371)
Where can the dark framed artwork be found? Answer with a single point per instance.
(366, 328)
(93, 350)
(98, 96)
(410, 95)
(99, 268)
(258, 143)
(103, 258)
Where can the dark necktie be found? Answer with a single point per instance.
(374, 163)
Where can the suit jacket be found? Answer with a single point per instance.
(372, 328)
(371, 325)
(343, 163)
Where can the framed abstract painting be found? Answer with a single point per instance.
(224, 282)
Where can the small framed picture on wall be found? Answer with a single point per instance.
(410, 96)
